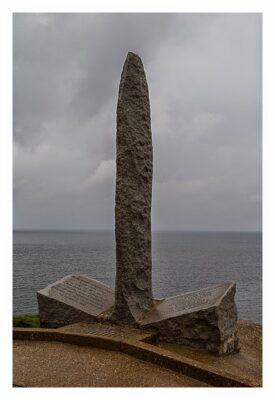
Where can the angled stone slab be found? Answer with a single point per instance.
(205, 318)
(74, 298)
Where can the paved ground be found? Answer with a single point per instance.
(59, 364)
(54, 364)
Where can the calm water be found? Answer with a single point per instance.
(182, 261)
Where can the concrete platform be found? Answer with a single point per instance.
(55, 364)
(124, 356)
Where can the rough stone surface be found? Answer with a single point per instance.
(54, 313)
(133, 292)
(73, 298)
(209, 323)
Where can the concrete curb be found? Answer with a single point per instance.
(139, 349)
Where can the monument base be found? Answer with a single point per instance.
(205, 319)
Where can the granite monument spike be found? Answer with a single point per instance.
(134, 166)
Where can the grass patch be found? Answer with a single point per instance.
(26, 321)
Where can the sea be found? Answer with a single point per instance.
(182, 261)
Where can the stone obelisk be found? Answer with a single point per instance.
(134, 167)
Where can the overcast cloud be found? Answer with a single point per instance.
(204, 77)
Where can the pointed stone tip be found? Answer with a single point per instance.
(133, 57)
(131, 54)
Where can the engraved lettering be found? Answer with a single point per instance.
(83, 293)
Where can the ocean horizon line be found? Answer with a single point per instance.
(112, 230)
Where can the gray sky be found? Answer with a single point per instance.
(204, 77)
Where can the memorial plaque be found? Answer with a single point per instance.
(186, 303)
(81, 292)
(107, 329)
(77, 291)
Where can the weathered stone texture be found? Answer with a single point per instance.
(213, 327)
(54, 313)
(133, 292)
